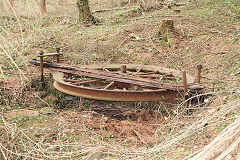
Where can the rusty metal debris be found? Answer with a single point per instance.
(42, 55)
(120, 82)
(184, 79)
(199, 68)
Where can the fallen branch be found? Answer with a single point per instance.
(3, 154)
(230, 149)
(13, 139)
(112, 9)
(180, 4)
(228, 135)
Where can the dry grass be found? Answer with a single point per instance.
(53, 142)
(206, 32)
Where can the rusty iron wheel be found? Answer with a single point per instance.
(102, 89)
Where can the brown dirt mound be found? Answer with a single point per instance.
(136, 127)
(134, 131)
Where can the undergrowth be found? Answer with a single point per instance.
(205, 32)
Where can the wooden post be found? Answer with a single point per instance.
(109, 85)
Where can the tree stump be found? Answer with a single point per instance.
(85, 16)
(168, 24)
(166, 27)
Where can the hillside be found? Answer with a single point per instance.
(39, 122)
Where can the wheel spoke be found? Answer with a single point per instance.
(70, 80)
(138, 74)
(138, 71)
(147, 73)
(155, 76)
(105, 69)
(109, 85)
(86, 82)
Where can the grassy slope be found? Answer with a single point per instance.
(207, 33)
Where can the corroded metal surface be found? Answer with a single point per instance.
(169, 71)
(119, 82)
(112, 95)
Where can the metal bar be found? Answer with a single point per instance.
(139, 70)
(184, 81)
(157, 76)
(147, 73)
(71, 80)
(116, 95)
(41, 66)
(199, 68)
(48, 54)
(110, 76)
(109, 85)
(86, 82)
(123, 68)
(58, 56)
(122, 79)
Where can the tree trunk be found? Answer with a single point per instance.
(42, 7)
(85, 16)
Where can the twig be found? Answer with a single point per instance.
(180, 4)
(238, 54)
(225, 135)
(3, 154)
(123, 42)
(13, 139)
(139, 136)
(229, 150)
(106, 10)
(145, 17)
